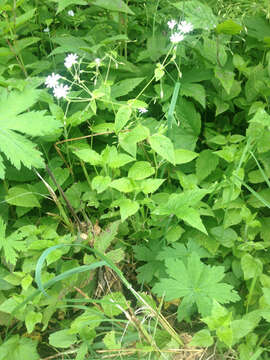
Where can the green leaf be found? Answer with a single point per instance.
(229, 27)
(226, 78)
(149, 186)
(226, 237)
(118, 5)
(62, 4)
(199, 14)
(62, 339)
(127, 207)
(183, 156)
(123, 185)
(11, 245)
(17, 348)
(192, 217)
(22, 196)
(101, 183)
(105, 238)
(31, 319)
(206, 164)
(113, 159)
(140, 170)
(195, 91)
(111, 302)
(122, 117)
(198, 284)
(163, 146)
(124, 87)
(251, 266)
(202, 338)
(128, 141)
(110, 342)
(89, 156)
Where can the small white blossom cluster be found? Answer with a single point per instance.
(52, 81)
(182, 28)
(142, 110)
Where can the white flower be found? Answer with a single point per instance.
(60, 91)
(185, 27)
(46, 29)
(98, 61)
(171, 24)
(71, 13)
(176, 37)
(52, 80)
(70, 60)
(142, 110)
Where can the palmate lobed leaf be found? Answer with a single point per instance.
(197, 283)
(17, 148)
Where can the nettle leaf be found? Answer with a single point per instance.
(206, 164)
(123, 87)
(31, 319)
(183, 156)
(123, 185)
(122, 117)
(105, 238)
(89, 156)
(229, 27)
(113, 159)
(197, 283)
(195, 91)
(251, 266)
(202, 338)
(62, 4)
(163, 146)
(16, 147)
(140, 170)
(11, 245)
(22, 196)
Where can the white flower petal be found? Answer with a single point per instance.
(52, 80)
(176, 37)
(60, 91)
(70, 60)
(171, 24)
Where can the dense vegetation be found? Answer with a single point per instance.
(135, 191)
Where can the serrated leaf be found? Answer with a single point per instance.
(31, 319)
(122, 117)
(198, 284)
(140, 170)
(111, 302)
(110, 342)
(124, 87)
(105, 238)
(16, 347)
(163, 146)
(62, 4)
(206, 163)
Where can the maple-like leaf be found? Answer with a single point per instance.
(198, 284)
(12, 244)
(14, 122)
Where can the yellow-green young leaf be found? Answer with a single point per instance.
(109, 304)
(251, 266)
(159, 73)
(110, 342)
(205, 164)
(183, 156)
(19, 348)
(31, 319)
(26, 281)
(22, 196)
(149, 186)
(123, 185)
(127, 208)
(128, 141)
(122, 117)
(141, 170)
(89, 156)
(163, 146)
(202, 338)
(100, 183)
(62, 339)
(228, 27)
